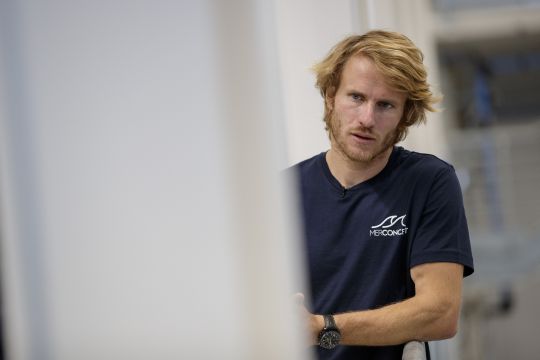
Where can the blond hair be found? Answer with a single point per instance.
(396, 57)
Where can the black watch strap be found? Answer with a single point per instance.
(329, 322)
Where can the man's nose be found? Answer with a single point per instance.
(366, 115)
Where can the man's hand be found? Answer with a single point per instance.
(313, 323)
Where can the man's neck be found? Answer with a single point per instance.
(349, 172)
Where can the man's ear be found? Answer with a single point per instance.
(330, 97)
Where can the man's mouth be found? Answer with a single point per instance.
(363, 137)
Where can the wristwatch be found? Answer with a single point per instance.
(329, 336)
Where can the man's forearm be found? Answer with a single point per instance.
(432, 314)
(397, 323)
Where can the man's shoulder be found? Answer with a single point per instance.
(422, 162)
(425, 172)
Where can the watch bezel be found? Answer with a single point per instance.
(329, 338)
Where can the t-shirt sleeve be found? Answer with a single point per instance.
(442, 234)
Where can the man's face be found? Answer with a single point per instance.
(365, 112)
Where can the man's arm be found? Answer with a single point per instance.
(431, 314)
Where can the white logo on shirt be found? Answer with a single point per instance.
(383, 228)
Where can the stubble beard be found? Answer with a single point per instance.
(357, 154)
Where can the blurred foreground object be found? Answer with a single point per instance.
(136, 139)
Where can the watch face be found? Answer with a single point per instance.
(329, 339)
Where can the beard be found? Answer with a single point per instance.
(359, 153)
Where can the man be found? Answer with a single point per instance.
(386, 234)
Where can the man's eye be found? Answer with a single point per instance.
(386, 105)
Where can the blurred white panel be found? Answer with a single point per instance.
(128, 233)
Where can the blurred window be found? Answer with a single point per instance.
(494, 85)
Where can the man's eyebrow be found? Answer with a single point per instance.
(353, 91)
(388, 99)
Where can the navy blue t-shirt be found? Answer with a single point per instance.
(362, 241)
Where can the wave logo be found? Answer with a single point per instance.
(383, 229)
